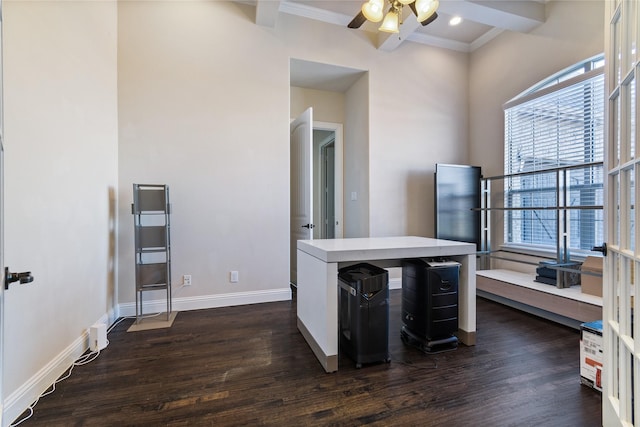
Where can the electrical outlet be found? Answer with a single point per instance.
(186, 280)
(233, 277)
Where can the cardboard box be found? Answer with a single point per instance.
(591, 354)
(592, 285)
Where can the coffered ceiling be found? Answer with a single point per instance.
(481, 20)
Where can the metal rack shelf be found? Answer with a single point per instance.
(151, 212)
(562, 218)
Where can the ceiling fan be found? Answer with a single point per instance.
(373, 10)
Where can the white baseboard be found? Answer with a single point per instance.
(395, 283)
(18, 401)
(207, 301)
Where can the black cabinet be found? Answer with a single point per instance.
(430, 304)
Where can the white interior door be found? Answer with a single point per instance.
(621, 367)
(301, 184)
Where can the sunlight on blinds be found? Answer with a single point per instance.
(561, 125)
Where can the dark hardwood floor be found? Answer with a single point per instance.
(249, 365)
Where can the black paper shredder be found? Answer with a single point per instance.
(364, 313)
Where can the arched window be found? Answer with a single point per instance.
(558, 122)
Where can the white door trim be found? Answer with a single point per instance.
(337, 128)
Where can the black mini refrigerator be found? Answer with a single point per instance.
(430, 304)
(363, 301)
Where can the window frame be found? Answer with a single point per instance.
(588, 69)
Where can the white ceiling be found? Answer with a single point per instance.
(482, 20)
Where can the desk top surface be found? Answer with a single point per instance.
(372, 248)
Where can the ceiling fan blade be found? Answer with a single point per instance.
(412, 5)
(357, 21)
(430, 19)
(427, 21)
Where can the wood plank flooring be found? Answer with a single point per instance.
(249, 365)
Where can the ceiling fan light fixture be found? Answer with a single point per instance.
(372, 10)
(405, 2)
(426, 8)
(391, 22)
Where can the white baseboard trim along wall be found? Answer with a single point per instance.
(18, 401)
(207, 301)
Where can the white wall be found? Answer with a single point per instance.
(514, 62)
(327, 106)
(205, 109)
(356, 160)
(419, 117)
(60, 180)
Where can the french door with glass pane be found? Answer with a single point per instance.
(621, 368)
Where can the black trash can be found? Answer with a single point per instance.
(430, 304)
(363, 301)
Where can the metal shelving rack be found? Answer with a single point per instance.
(151, 212)
(562, 209)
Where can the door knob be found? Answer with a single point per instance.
(309, 226)
(602, 249)
(9, 277)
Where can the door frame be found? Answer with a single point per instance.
(337, 129)
(327, 150)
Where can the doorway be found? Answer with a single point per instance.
(327, 180)
(316, 183)
(338, 95)
(327, 190)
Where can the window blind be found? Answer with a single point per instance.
(559, 125)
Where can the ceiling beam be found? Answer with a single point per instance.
(300, 9)
(267, 12)
(389, 42)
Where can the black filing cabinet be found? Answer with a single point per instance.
(430, 304)
(364, 313)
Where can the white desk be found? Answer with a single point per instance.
(317, 293)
